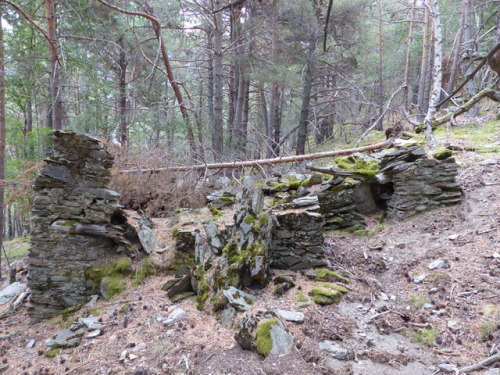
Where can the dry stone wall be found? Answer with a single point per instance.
(76, 222)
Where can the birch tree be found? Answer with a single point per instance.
(437, 73)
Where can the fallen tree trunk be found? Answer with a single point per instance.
(486, 93)
(260, 162)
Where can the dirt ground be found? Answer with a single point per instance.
(392, 324)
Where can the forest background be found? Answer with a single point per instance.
(171, 82)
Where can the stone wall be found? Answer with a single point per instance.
(298, 240)
(419, 183)
(76, 222)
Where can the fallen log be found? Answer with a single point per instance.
(260, 162)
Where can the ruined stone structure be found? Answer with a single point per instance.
(418, 183)
(298, 240)
(76, 223)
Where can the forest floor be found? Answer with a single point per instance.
(400, 317)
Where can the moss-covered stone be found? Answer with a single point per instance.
(361, 166)
(340, 288)
(323, 274)
(442, 153)
(264, 340)
(325, 297)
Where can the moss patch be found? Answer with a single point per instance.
(442, 153)
(325, 297)
(114, 285)
(120, 267)
(323, 274)
(145, 270)
(365, 168)
(52, 353)
(264, 340)
(340, 288)
(216, 213)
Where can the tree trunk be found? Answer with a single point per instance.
(122, 84)
(2, 133)
(380, 71)
(55, 112)
(423, 87)
(218, 83)
(437, 74)
(455, 59)
(408, 57)
(28, 129)
(469, 49)
(307, 88)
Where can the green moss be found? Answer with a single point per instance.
(228, 199)
(325, 297)
(218, 301)
(125, 309)
(306, 183)
(264, 340)
(214, 211)
(365, 168)
(114, 285)
(486, 329)
(340, 288)
(52, 353)
(96, 311)
(145, 270)
(323, 274)
(249, 219)
(117, 269)
(175, 231)
(294, 185)
(202, 288)
(427, 337)
(442, 153)
(418, 302)
(301, 297)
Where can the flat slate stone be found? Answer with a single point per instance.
(291, 316)
(240, 300)
(336, 351)
(11, 291)
(66, 338)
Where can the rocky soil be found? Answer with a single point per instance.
(399, 317)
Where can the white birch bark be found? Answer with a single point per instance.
(437, 74)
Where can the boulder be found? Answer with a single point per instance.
(265, 333)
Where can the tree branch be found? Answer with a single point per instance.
(27, 18)
(381, 115)
(230, 5)
(260, 162)
(484, 60)
(480, 365)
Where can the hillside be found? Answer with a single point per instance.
(399, 316)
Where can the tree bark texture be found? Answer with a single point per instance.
(437, 74)
(307, 88)
(218, 83)
(2, 131)
(424, 85)
(408, 57)
(380, 71)
(468, 50)
(55, 111)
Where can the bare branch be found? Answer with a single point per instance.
(484, 60)
(27, 18)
